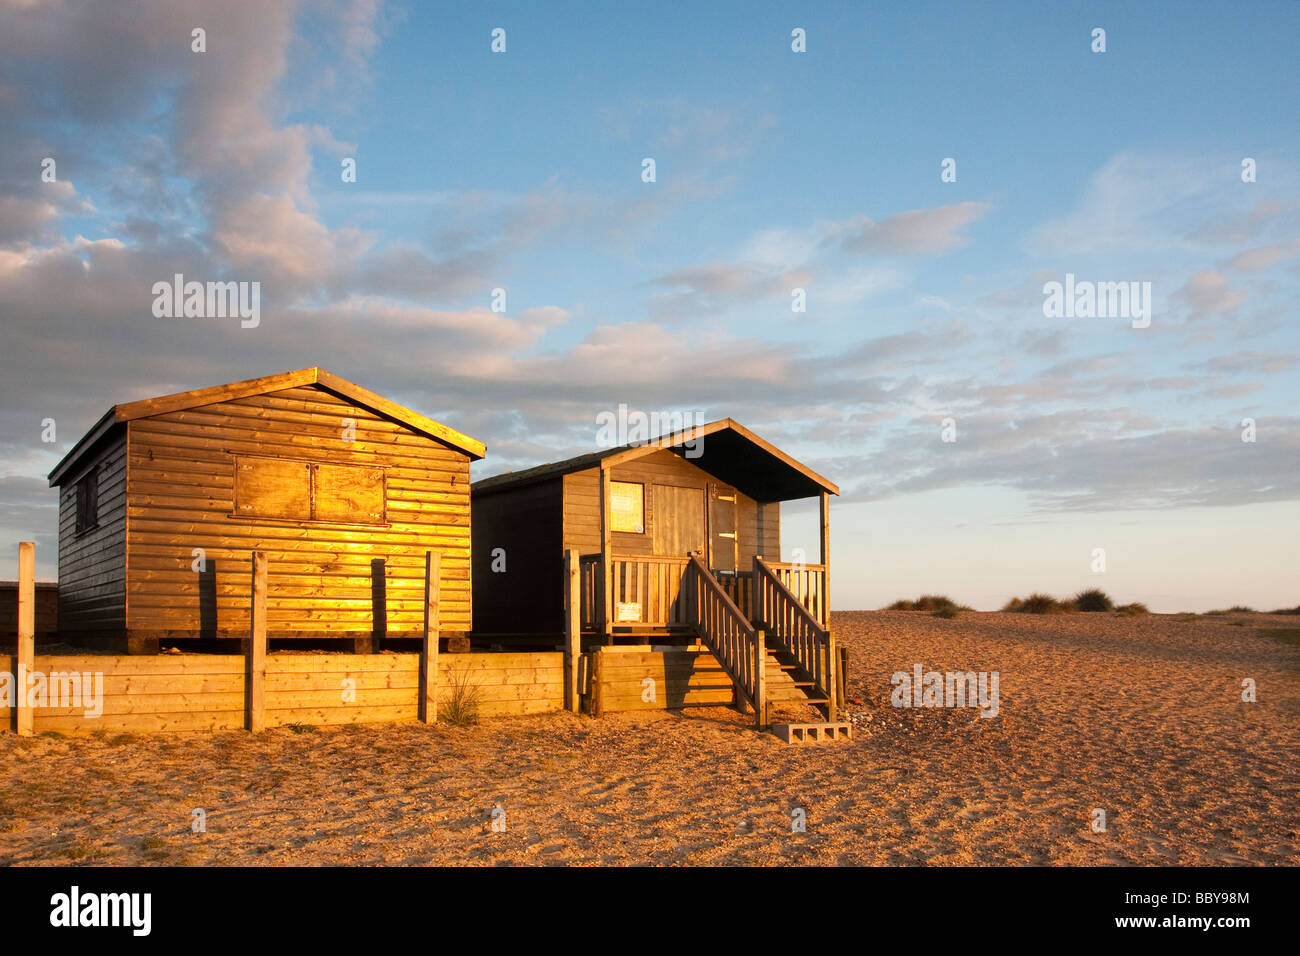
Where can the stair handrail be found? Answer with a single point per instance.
(736, 643)
(794, 628)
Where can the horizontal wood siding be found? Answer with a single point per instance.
(182, 487)
(145, 694)
(528, 596)
(681, 678)
(769, 533)
(582, 508)
(47, 608)
(165, 693)
(92, 565)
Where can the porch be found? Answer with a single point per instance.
(646, 597)
(767, 628)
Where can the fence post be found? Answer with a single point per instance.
(760, 677)
(26, 720)
(255, 658)
(572, 628)
(428, 704)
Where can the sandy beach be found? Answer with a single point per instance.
(1139, 716)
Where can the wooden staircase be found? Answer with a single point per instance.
(779, 661)
(785, 691)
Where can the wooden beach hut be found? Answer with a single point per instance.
(676, 540)
(161, 503)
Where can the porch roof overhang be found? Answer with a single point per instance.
(725, 449)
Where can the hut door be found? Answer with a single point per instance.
(678, 520)
(722, 528)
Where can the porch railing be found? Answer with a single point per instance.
(807, 583)
(739, 587)
(736, 644)
(792, 624)
(646, 589)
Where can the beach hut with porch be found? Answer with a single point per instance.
(677, 540)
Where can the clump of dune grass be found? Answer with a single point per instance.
(458, 699)
(1287, 610)
(1235, 609)
(1036, 603)
(937, 605)
(1093, 600)
(1136, 609)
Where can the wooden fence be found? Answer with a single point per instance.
(176, 692)
(208, 691)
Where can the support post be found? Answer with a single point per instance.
(572, 628)
(826, 558)
(26, 719)
(760, 678)
(606, 555)
(597, 682)
(428, 705)
(843, 675)
(255, 658)
(832, 675)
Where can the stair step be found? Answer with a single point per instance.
(799, 697)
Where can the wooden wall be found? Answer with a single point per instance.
(684, 677)
(582, 508)
(92, 565)
(167, 693)
(528, 597)
(47, 608)
(321, 581)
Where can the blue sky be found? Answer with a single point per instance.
(775, 170)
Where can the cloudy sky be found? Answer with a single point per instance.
(774, 170)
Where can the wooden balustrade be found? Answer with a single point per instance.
(738, 647)
(647, 586)
(807, 583)
(791, 623)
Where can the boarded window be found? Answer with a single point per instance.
(87, 491)
(307, 491)
(350, 494)
(271, 488)
(627, 506)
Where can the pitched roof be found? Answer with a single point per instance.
(727, 450)
(313, 376)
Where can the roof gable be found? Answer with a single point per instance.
(727, 450)
(317, 377)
